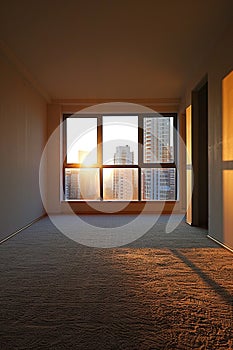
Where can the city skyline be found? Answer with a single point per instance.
(122, 183)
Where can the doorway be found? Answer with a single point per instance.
(200, 154)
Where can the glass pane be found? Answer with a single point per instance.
(158, 140)
(120, 184)
(158, 184)
(82, 140)
(120, 140)
(82, 184)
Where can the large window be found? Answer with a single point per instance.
(120, 157)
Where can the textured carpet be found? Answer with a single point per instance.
(163, 291)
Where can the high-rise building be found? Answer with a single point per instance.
(157, 140)
(81, 184)
(124, 180)
(123, 155)
(158, 183)
(72, 184)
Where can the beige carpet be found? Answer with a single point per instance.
(164, 291)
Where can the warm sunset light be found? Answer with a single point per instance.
(116, 153)
(227, 118)
(82, 157)
(227, 153)
(120, 184)
(189, 180)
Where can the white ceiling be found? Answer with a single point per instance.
(112, 49)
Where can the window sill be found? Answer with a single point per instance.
(123, 207)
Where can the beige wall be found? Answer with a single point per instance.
(218, 64)
(23, 136)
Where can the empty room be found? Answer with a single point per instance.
(116, 221)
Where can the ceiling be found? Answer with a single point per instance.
(112, 49)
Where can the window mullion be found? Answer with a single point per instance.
(100, 152)
(140, 154)
(99, 141)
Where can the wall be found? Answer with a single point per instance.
(217, 65)
(23, 136)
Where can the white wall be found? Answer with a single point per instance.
(23, 132)
(218, 64)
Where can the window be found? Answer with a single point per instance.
(120, 157)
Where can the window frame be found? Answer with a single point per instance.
(139, 165)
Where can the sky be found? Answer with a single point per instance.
(82, 136)
(117, 131)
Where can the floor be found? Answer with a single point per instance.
(162, 291)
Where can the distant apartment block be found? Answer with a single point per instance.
(82, 184)
(123, 155)
(158, 183)
(124, 180)
(157, 139)
(72, 184)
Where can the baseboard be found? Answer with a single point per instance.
(23, 228)
(220, 243)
